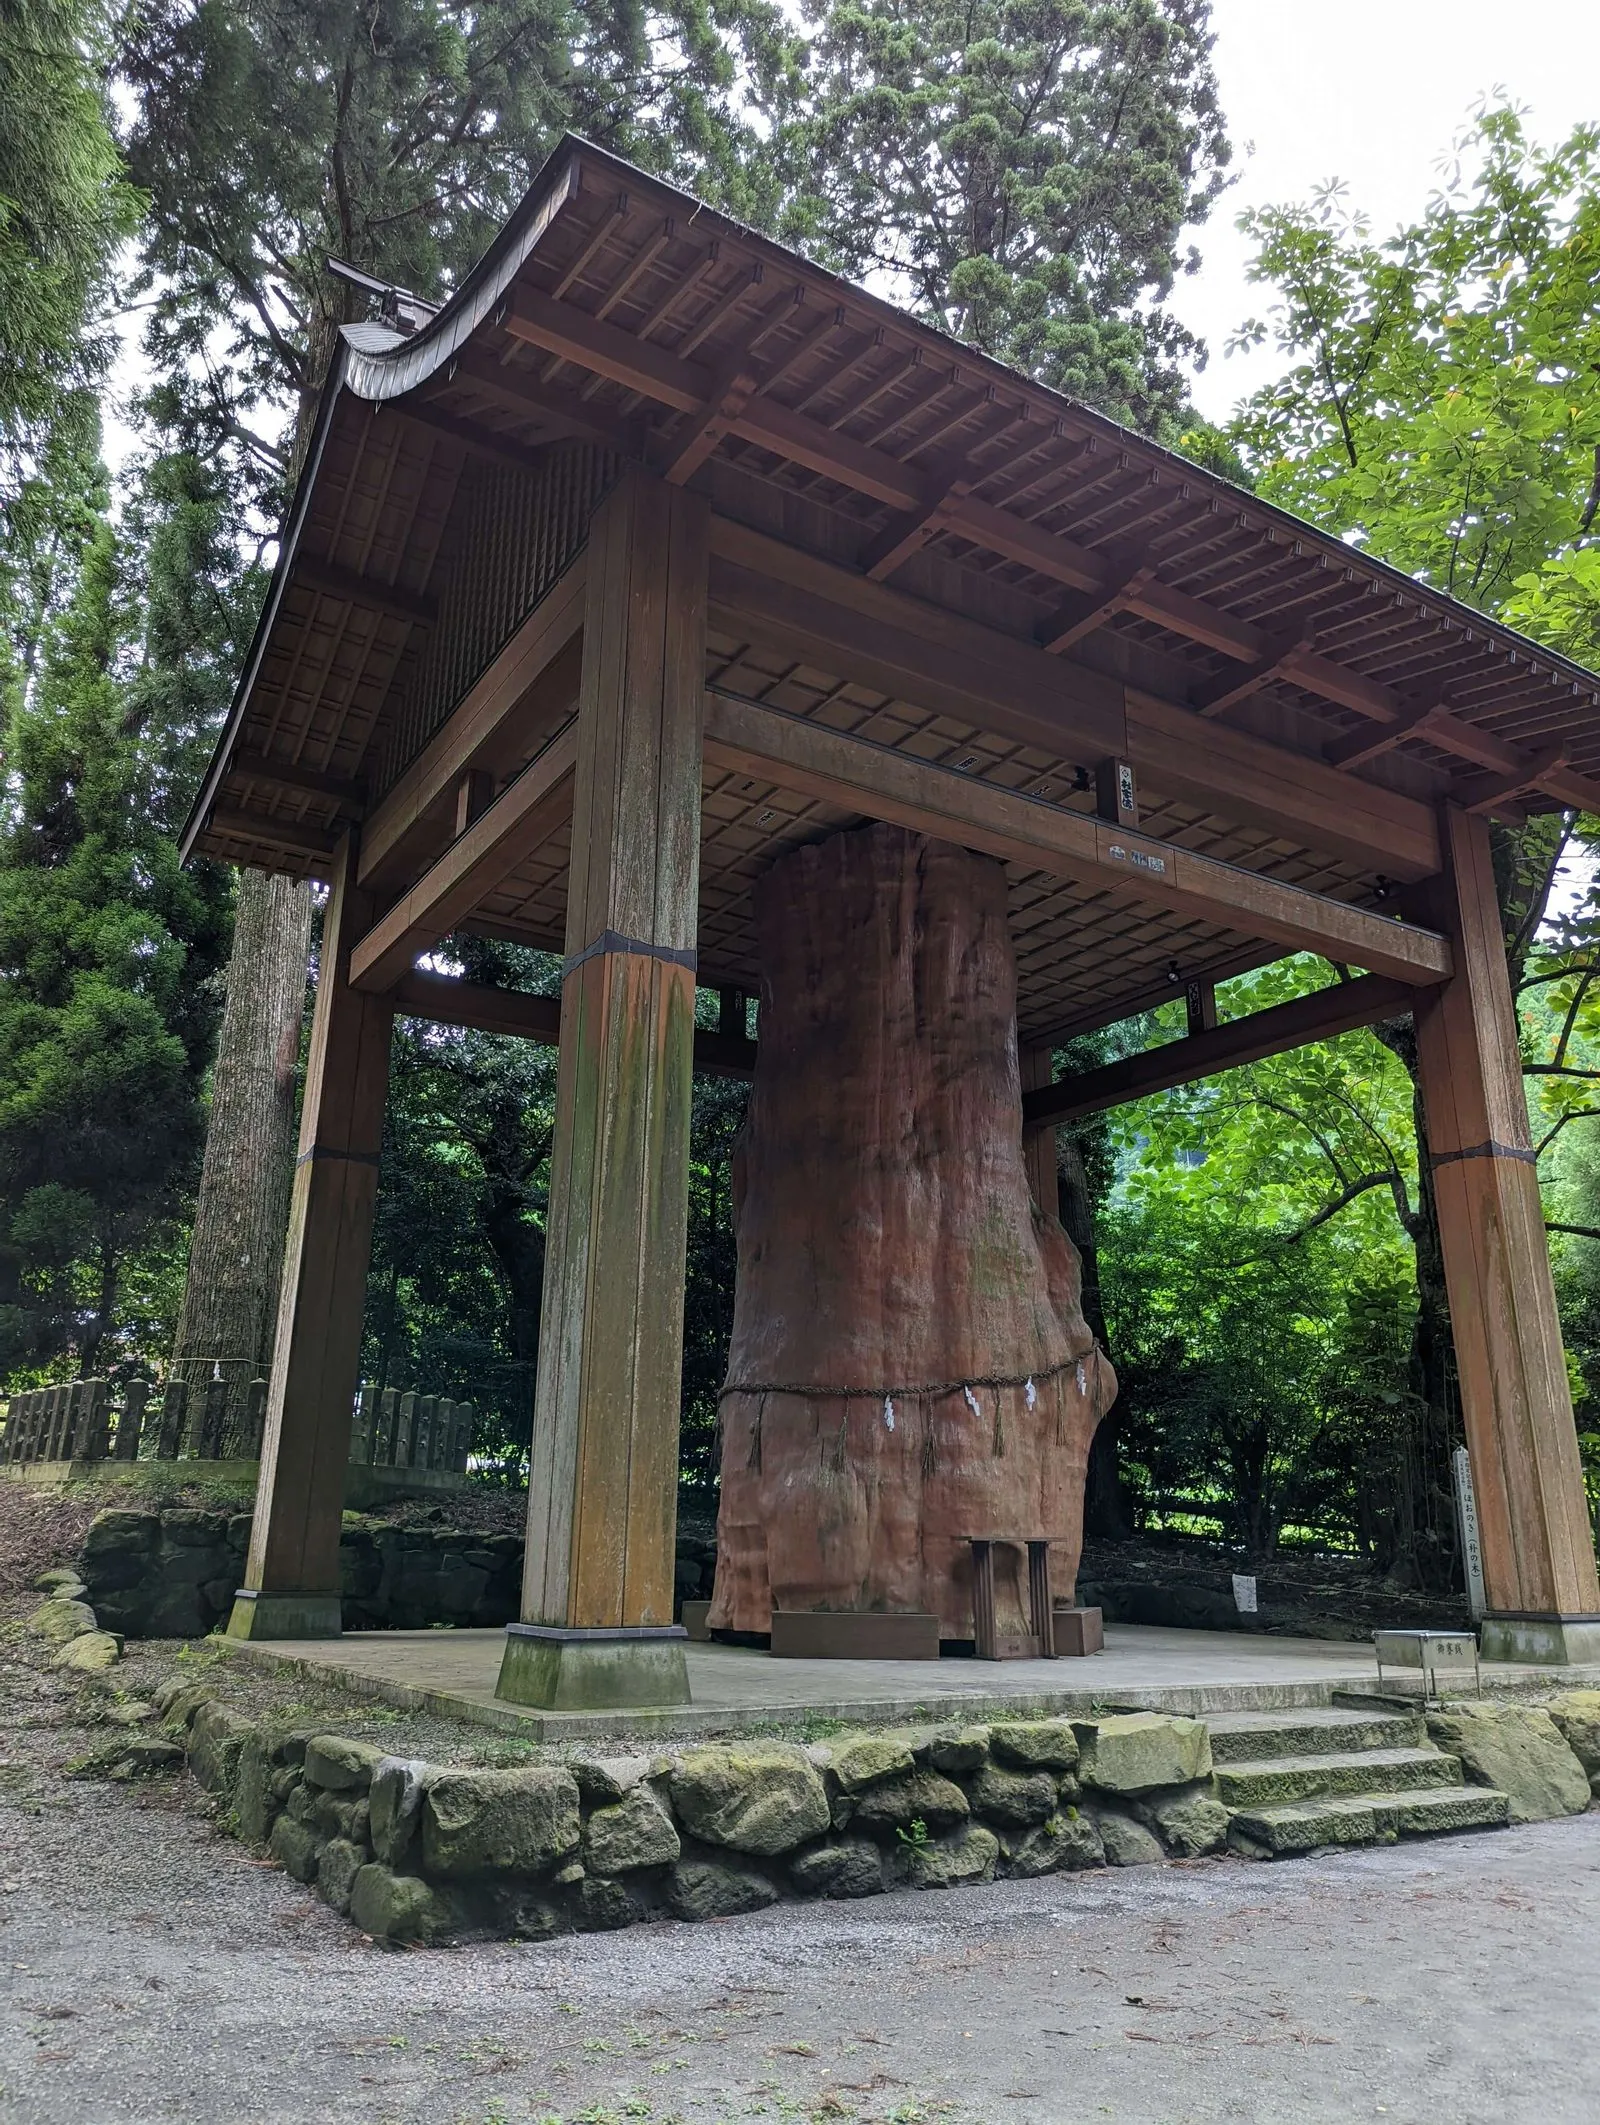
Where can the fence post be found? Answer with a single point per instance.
(461, 1436)
(94, 1421)
(363, 1432)
(174, 1420)
(214, 1419)
(405, 1439)
(130, 1425)
(255, 1418)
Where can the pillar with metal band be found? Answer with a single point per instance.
(1538, 1551)
(291, 1587)
(596, 1626)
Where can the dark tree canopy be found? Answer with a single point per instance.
(398, 136)
(1019, 172)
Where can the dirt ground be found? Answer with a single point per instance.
(152, 1969)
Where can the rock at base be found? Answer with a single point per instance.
(1520, 1752)
(398, 1907)
(1189, 1822)
(852, 1868)
(705, 1888)
(339, 1765)
(1061, 1845)
(90, 1654)
(1577, 1715)
(1014, 1798)
(966, 1855)
(395, 1807)
(296, 1847)
(1127, 1843)
(925, 1797)
(633, 1832)
(1137, 1751)
(216, 1743)
(1035, 1744)
(955, 1750)
(58, 1620)
(606, 1906)
(869, 1760)
(759, 1800)
(338, 1864)
(487, 1822)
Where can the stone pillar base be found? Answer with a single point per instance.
(563, 1670)
(1542, 1641)
(259, 1615)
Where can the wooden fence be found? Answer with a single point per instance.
(80, 1421)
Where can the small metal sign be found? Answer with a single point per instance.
(1467, 1515)
(1244, 1594)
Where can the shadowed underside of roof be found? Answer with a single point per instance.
(912, 544)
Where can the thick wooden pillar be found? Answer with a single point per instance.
(1538, 1554)
(291, 1587)
(597, 1624)
(1037, 1066)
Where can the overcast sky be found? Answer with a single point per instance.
(1371, 91)
(1374, 92)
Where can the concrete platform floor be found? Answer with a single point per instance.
(737, 1687)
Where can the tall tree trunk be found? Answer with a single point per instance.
(1107, 1507)
(241, 1215)
(1426, 1544)
(230, 1301)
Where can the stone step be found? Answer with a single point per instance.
(1275, 1780)
(1251, 1737)
(1365, 1819)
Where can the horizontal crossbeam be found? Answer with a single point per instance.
(882, 783)
(451, 1002)
(844, 624)
(478, 861)
(1320, 1016)
(487, 729)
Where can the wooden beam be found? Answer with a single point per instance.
(1495, 793)
(344, 790)
(536, 672)
(291, 835)
(716, 418)
(412, 606)
(448, 1001)
(1221, 694)
(1076, 622)
(1538, 1547)
(841, 622)
(291, 1580)
(603, 1465)
(1320, 1016)
(519, 819)
(689, 387)
(882, 783)
(909, 534)
(476, 441)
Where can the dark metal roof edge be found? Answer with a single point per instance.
(288, 542)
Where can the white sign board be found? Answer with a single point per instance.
(1244, 1595)
(1471, 1549)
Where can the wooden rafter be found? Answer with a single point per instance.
(448, 1001)
(411, 606)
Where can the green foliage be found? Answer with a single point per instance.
(1020, 173)
(1257, 1270)
(397, 136)
(107, 946)
(64, 208)
(1443, 402)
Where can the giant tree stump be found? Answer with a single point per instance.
(910, 1364)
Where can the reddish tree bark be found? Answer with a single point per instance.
(910, 1364)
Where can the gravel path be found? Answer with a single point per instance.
(150, 1969)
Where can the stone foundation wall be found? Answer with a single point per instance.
(418, 1852)
(173, 1574)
